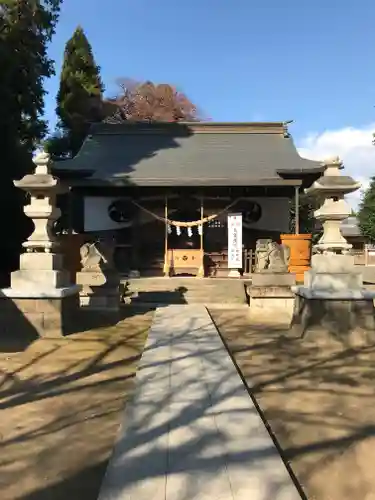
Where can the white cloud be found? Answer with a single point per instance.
(354, 147)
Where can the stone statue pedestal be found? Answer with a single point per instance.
(100, 290)
(272, 298)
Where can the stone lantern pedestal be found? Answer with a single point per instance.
(41, 295)
(333, 296)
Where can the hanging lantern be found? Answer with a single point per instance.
(190, 232)
(178, 230)
(200, 229)
(169, 229)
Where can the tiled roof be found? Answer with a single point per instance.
(350, 228)
(190, 154)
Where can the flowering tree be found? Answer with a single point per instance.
(149, 102)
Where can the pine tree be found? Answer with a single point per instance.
(26, 28)
(366, 213)
(79, 96)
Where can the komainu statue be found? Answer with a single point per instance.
(277, 258)
(97, 256)
(261, 251)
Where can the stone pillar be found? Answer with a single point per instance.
(40, 290)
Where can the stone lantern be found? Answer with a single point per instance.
(332, 187)
(333, 295)
(41, 289)
(332, 266)
(42, 245)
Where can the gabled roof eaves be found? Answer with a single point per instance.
(190, 153)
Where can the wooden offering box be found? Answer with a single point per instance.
(184, 261)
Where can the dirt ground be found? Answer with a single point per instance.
(61, 403)
(319, 399)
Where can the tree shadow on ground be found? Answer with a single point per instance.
(161, 298)
(60, 402)
(84, 484)
(16, 331)
(145, 302)
(167, 430)
(317, 396)
(348, 322)
(93, 387)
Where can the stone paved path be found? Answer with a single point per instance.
(191, 431)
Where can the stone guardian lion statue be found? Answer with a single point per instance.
(277, 258)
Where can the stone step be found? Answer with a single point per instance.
(173, 284)
(202, 291)
(157, 299)
(198, 296)
(188, 290)
(183, 287)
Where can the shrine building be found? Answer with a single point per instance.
(185, 198)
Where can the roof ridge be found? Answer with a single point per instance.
(188, 128)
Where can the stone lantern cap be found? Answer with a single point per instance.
(41, 181)
(332, 183)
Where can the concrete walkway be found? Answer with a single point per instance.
(191, 430)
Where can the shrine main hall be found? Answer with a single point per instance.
(185, 198)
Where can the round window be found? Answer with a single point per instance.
(121, 211)
(252, 212)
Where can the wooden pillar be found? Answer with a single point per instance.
(201, 267)
(135, 243)
(70, 211)
(71, 242)
(296, 209)
(166, 269)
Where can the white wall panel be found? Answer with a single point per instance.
(96, 216)
(275, 214)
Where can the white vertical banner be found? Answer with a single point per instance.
(235, 241)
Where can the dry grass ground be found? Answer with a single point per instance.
(319, 399)
(61, 403)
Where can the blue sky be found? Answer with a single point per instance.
(239, 60)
